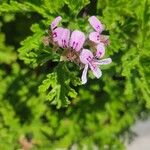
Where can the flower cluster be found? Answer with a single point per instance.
(74, 42)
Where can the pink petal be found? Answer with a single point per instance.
(96, 24)
(103, 61)
(96, 71)
(64, 38)
(100, 50)
(94, 37)
(86, 56)
(57, 33)
(84, 74)
(77, 40)
(55, 22)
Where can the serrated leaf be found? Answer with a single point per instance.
(57, 86)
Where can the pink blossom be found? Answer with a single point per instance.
(77, 40)
(96, 36)
(55, 22)
(61, 36)
(56, 33)
(88, 59)
(100, 50)
(96, 24)
(63, 39)
(73, 44)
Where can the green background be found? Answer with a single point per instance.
(42, 98)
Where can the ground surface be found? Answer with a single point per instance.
(142, 140)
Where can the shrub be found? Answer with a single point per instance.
(41, 98)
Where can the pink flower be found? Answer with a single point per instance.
(56, 31)
(63, 39)
(96, 36)
(73, 44)
(100, 50)
(55, 22)
(61, 36)
(77, 40)
(96, 24)
(88, 59)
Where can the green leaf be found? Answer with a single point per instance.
(57, 86)
(76, 5)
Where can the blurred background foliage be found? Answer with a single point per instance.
(42, 103)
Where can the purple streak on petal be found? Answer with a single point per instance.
(94, 37)
(55, 22)
(86, 56)
(103, 61)
(57, 33)
(96, 71)
(77, 40)
(96, 24)
(64, 38)
(84, 74)
(100, 50)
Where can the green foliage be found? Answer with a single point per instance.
(41, 97)
(60, 86)
(7, 55)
